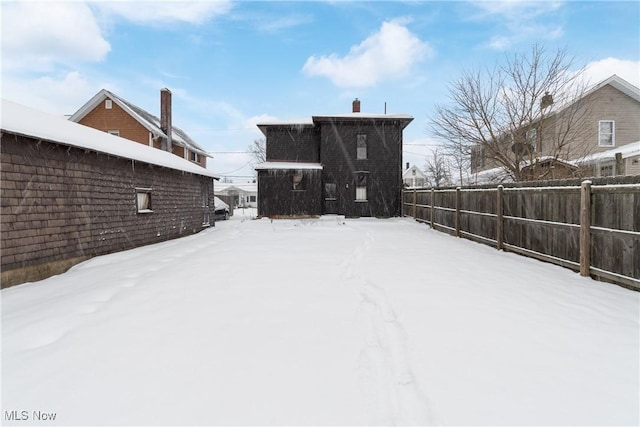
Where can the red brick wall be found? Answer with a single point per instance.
(61, 205)
(116, 119)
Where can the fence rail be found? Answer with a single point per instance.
(590, 227)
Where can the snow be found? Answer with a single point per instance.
(287, 165)
(327, 321)
(23, 120)
(219, 204)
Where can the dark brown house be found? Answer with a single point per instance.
(70, 193)
(111, 113)
(348, 164)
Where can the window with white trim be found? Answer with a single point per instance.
(143, 200)
(361, 187)
(108, 104)
(606, 133)
(361, 146)
(113, 132)
(298, 181)
(194, 157)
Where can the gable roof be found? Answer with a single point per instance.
(146, 119)
(409, 174)
(21, 120)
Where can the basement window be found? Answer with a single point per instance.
(143, 200)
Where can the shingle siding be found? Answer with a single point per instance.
(62, 203)
(294, 143)
(283, 199)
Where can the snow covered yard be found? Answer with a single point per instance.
(320, 322)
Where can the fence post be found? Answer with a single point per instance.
(414, 204)
(499, 218)
(585, 228)
(457, 211)
(433, 203)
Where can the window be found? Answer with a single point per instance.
(143, 200)
(361, 149)
(532, 139)
(606, 170)
(361, 187)
(114, 132)
(108, 104)
(298, 181)
(330, 191)
(194, 157)
(606, 133)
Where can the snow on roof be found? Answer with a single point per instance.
(146, 119)
(306, 122)
(287, 165)
(18, 119)
(628, 150)
(249, 187)
(410, 174)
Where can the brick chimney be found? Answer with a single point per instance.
(165, 118)
(356, 105)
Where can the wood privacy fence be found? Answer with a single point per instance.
(592, 226)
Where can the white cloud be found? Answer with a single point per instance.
(162, 12)
(598, 71)
(38, 35)
(63, 95)
(388, 54)
(519, 19)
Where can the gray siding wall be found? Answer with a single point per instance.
(383, 165)
(61, 205)
(278, 198)
(293, 144)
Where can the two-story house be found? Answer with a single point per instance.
(347, 164)
(604, 118)
(414, 177)
(113, 114)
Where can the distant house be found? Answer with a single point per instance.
(347, 164)
(622, 160)
(70, 192)
(110, 113)
(243, 195)
(414, 177)
(609, 117)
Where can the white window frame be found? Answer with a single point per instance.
(114, 132)
(611, 134)
(108, 104)
(361, 183)
(361, 146)
(144, 200)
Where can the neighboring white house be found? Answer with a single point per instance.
(604, 163)
(245, 195)
(414, 177)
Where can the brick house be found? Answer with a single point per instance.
(70, 193)
(348, 164)
(110, 113)
(605, 117)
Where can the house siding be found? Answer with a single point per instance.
(116, 119)
(383, 165)
(294, 143)
(283, 200)
(61, 205)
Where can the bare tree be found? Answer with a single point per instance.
(515, 113)
(437, 170)
(258, 150)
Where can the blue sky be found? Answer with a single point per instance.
(232, 64)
